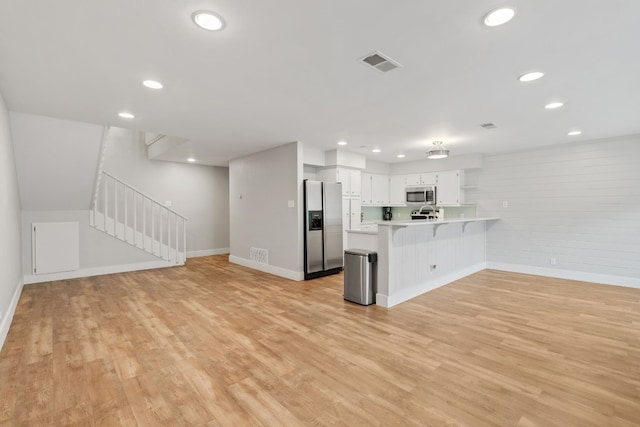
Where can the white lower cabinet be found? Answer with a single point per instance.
(415, 258)
(351, 210)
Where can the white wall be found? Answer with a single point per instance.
(349, 159)
(260, 187)
(201, 193)
(313, 156)
(97, 249)
(10, 242)
(578, 203)
(56, 161)
(378, 167)
(310, 172)
(453, 162)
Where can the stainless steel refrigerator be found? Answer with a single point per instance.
(322, 228)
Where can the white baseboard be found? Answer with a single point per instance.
(382, 300)
(207, 252)
(97, 271)
(605, 279)
(11, 310)
(272, 269)
(414, 291)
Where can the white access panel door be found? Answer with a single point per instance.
(56, 247)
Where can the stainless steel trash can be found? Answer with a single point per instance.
(360, 276)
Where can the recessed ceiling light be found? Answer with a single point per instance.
(376, 150)
(152, 84)
(208, 20)
(498, 17)
(191, 160)
(529, 77)
(574, 132)
(342, 142)
(126, 115)
(553, 105)
(400, 156)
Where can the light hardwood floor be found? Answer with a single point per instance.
(217, 344)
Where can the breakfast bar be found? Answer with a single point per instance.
(417, 256)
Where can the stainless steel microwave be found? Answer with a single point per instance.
(420, 195)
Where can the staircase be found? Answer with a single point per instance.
(128, 214)
(123, 212)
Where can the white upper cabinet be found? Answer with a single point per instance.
(366, 190)
(418, 179)
(375, 190)
(413, 179)
(383, 190)
(448, 189)
(355, 177)
(397, 186)
(380, 190)
(428, 179)
(350, 179)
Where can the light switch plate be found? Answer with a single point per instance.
(168, 204)
(505, 204)
(291, 204)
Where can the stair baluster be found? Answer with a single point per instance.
(171, 249)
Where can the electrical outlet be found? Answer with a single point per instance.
(291, 203)
(552, 261)
(505, 204)
(168, 204)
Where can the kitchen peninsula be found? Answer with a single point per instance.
(417, 256)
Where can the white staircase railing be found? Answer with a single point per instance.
(128, 214)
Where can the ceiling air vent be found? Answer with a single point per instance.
(380, 62)
(488, 126)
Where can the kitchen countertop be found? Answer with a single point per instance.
(364, 231)
(414, 222)
(372, 228)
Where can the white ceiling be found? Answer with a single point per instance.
(288, 70)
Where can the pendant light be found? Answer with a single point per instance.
(437, 151)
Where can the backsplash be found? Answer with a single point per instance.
(457, 212)
(371, 213)
(374, 213)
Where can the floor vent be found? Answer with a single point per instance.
(380, 62)
(259, 255)
(488, 125)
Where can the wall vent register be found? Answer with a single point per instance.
(259, 255)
